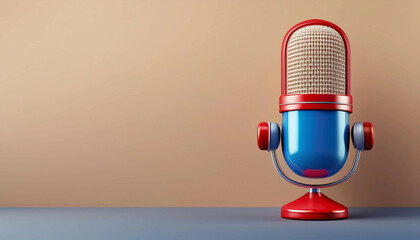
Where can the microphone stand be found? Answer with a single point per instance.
(314, 204)
(315, 188)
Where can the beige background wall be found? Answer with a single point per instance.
(156, 103)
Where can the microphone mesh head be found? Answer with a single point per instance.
(316, 61)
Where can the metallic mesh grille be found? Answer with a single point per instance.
(316, 61)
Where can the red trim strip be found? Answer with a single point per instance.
(315, 106)
(326, 102)
(344, 99)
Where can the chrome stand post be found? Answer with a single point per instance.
(314, 190)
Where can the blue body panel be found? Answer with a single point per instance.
(315, 143)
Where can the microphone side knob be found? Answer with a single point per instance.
(263, 135)
(268, 136)
(274, 136)
(363, 135)
(369, 135)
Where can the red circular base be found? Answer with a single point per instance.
(314, 206)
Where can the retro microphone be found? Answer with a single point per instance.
(315, 103)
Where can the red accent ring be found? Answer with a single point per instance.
(369, 135)
(263, 135)
(315, 101)
(307, 106)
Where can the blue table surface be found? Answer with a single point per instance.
(201, 223)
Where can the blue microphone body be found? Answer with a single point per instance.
(315, 143)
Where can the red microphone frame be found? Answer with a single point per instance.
(314, 101)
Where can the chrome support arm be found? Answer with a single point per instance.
(280, 171)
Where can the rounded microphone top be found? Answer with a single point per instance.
(316, 61)
(315, 68)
